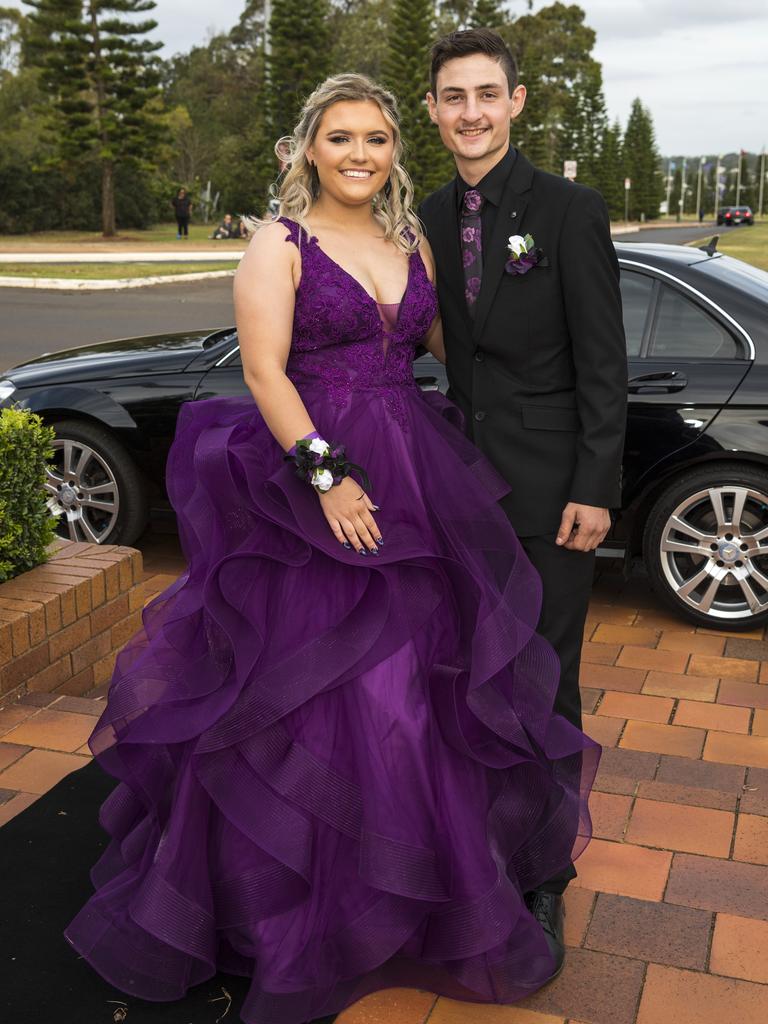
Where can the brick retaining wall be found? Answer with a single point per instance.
(63, 622)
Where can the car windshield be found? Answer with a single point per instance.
(738, 274)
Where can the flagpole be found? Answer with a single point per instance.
(698, 187)
(717, 183)
(738, 180)
(762, 182)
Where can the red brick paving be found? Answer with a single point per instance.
(667, 922)
(692, 997)
(740, 948)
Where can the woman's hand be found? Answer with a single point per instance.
(348, 509)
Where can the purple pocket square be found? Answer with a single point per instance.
(528, 260)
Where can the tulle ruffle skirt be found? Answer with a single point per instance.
(336, 773)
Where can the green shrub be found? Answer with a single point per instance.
(26, 525)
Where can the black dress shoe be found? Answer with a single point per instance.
(549, 910)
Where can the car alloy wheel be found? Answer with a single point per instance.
(82, 490)
(709, 551)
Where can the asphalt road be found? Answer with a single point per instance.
(673, 236)
(35, 321)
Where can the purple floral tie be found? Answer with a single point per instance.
(472, 246)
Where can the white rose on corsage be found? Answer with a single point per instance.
(319, 446)
(519, 245)
(322, 479)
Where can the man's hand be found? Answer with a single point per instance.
(583, 527)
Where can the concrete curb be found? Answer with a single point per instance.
(114, 284)
(131, 256)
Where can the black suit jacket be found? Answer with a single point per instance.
(541, 374)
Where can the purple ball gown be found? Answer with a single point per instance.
(337, 773)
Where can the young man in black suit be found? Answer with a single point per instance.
(535, 346)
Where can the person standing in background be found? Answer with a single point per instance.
(182, 204)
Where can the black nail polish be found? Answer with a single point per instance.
(374, 551)
(362, 551)
(347, 545)
(379, 540)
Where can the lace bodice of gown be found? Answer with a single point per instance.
(343, 340)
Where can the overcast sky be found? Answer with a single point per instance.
(699, 65)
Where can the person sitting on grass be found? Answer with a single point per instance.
(228, 228)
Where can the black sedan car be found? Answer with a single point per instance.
(695, 500)
(732, 215)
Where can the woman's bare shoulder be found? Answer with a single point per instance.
(268, 248)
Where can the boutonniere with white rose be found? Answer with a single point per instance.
(524, 255)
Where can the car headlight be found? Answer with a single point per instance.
(7, 387)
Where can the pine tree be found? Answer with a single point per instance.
(584, 124)
(553, 49)
(406, 71)
(641, 164)
(299, 61)
(610, 171)
(488, 14)
(102, 76)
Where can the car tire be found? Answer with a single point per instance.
(116, 509)
(709, 569)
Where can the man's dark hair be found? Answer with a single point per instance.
(467, 42)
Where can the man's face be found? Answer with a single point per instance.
(473, 108)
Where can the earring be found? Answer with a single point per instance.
(314, 180)
(388, 188)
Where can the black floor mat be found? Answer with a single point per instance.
(46, 853)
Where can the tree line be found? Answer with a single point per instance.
(96, 131)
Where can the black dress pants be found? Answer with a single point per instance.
(567, 582)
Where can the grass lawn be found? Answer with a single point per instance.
(745, 242)
(163, 234)
(107, 271)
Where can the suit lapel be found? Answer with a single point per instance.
(509, 221)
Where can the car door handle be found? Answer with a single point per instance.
(659, 383)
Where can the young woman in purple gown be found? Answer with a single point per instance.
(339, 770)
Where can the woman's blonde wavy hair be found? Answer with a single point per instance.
(298, 189)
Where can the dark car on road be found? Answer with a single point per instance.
(695, 475)
(731, 215)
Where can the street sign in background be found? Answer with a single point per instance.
(627, 184)
(569, 169)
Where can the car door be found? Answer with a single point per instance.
(684, 362)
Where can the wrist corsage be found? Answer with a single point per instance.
(324, 465)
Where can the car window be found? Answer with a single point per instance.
(684, 330)
(636, 290)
